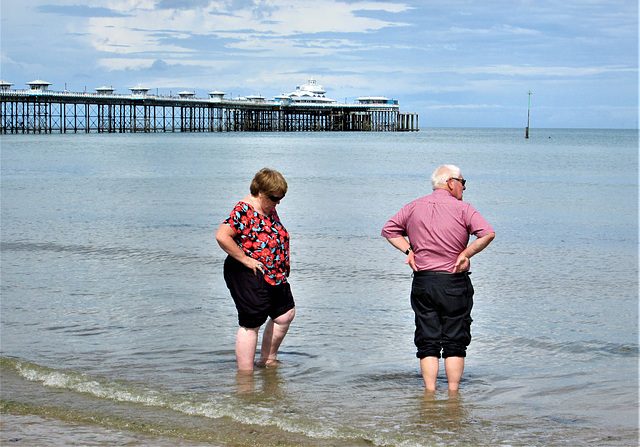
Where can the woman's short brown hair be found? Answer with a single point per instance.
(270, 182)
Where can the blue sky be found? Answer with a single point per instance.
(458, 63)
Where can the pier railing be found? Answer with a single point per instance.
(29, 111)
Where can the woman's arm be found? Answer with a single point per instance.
(226, 239)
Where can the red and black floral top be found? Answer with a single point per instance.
(263, 238)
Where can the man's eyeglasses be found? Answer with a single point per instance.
(461, 180)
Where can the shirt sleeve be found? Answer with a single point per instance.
(235, 219)
(395, 227)
(478, 225)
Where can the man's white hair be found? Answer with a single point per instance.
(442, 174)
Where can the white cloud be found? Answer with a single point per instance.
(498, 30)
(129, 63)
(509, 70)
(143, 29)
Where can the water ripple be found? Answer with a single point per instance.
(113, 253)
(582, 347)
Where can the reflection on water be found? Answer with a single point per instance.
(263, 382)
(447, 409)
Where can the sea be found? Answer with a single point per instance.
(117, 327)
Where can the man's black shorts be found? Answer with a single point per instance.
(256, 300)
(442, 304)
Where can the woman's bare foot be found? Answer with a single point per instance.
(265, 363)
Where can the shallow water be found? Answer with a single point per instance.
(115, 313)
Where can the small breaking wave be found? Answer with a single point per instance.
(296, 422)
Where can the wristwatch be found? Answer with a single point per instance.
(407, 251)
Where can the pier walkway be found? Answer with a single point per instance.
(43, 111)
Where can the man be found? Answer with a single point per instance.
(438, 227)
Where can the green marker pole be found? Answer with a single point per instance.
(528, 114)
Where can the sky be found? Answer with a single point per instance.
(457, 63)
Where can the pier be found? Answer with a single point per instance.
(39, 110)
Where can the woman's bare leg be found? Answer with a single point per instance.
(246, 342)
(272, 337)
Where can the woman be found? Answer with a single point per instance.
(256, 269)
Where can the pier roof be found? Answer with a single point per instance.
(139, 88)
(39, 84)
(105, 89)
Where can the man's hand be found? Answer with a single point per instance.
(403, 245)
(462, 264)
(411, 260)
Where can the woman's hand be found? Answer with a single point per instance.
(253, 264)
(226, 239)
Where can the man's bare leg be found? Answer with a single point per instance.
(429, 367)
(454, 367)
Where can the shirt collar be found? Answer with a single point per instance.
(442, 193)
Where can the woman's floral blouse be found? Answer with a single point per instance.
(263, 238)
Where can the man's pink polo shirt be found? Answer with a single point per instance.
(438, 227)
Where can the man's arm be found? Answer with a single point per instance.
(402, 244)
(462, 263)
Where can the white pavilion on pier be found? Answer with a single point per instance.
(104, 90)
(4, 85)
(139, 91)
(216, 95)
(309, 93)
(38, 85)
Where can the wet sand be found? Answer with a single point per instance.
(32, 430)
